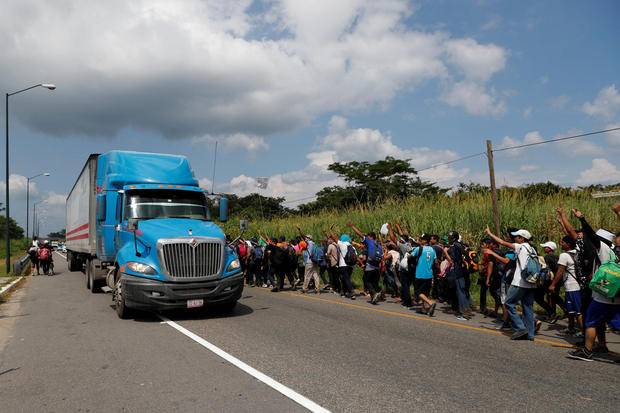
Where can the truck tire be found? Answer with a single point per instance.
(122, 311)
(91, 283)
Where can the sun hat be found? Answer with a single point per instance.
(550, 244)
(522, 233)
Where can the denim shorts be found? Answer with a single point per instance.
(600, 313)
(573, 302)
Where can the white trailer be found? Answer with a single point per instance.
(81, 210)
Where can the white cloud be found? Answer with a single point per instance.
(606, 105)
(198, 68)
(530, 137)
(529, 168)
(344, 144)
(527, 112)
(236, 142)
(477, 61)
(601, 171)
(53, 198)
(559, 102)
(17, 187)
(474, 99)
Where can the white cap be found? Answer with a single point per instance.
(523, 233)
(605, 235)
(550, 244)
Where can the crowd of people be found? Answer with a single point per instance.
(511, 268)
(40, 253)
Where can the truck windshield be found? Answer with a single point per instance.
(148, 204)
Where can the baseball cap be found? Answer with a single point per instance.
(522, 233)
(425, 237)
(605, 235)
(550, 244)
(309, 237)
(345, 238)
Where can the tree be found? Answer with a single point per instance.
(255, 206)
(60, 234)
(15, 231)
(370, 182)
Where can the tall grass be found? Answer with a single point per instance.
(467, 214)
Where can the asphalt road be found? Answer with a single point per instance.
(64, 349)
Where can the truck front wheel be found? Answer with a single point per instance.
(122, 311)
(74, 263)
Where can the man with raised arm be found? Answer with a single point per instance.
(371, 268)
(520, 290)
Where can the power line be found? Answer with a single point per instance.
(525, 145)
(452, 161)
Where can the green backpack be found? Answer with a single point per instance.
(606, 280)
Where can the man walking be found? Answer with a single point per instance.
(373, 260)
(521, 291)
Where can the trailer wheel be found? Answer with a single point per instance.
(122, 311)
(92, 284)
(73, 262)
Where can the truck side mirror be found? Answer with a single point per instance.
(223, 209)
(132, 224)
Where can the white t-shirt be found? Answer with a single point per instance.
(522, 252)
(605, 254)
(570, 283)
(343, 246)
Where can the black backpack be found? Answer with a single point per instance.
(350, 258)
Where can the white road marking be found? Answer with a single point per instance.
(279, 387)
(64, 256)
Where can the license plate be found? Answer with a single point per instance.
(195, 303)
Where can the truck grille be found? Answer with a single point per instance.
(192, 258)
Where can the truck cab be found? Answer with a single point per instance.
(155, 244)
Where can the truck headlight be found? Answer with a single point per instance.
(234, 265)
(140, 268)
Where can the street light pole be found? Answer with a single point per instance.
(35, 220)
(6, 235)
(28, 198)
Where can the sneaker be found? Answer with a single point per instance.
(519, 335)
(375, 298)
(461, 318)
(578, 334)
(553, 319)
(504, 327)
(567, 332)
(264, 285)
(275, 289)
(431, 310)
(580, 354)
(538, 325)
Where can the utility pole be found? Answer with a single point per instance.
(493, 187)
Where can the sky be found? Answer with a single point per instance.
(287, 87)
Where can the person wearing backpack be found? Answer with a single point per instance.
(566, 275)
(374, 256)
(44, 255)
(346, 262)
(311, 257)
(602, 309)
(33, 253)
(521, 291)
(333, 257)
(456, 273)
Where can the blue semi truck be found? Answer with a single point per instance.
(140, 224)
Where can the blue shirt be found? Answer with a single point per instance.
(371, 247)
(424, 269)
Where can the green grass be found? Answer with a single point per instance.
(468, 214)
